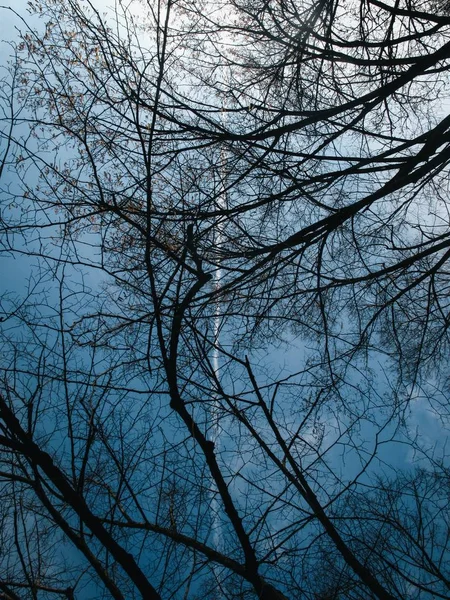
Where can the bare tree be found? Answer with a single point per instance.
(199, 189)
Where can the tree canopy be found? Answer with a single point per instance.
(224, 367)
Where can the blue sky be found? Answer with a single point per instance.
(288, 357)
